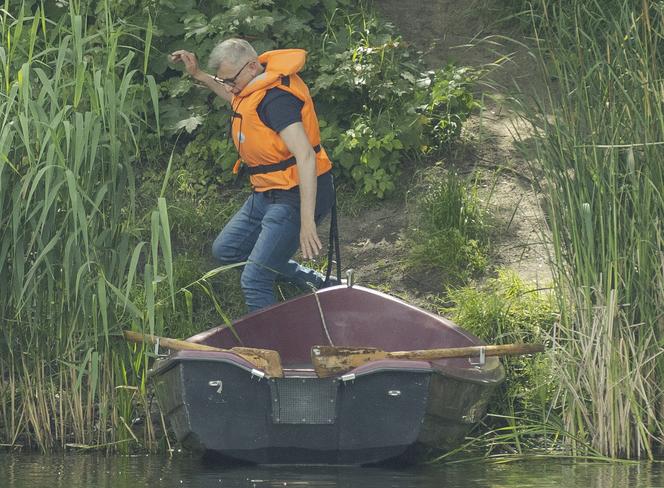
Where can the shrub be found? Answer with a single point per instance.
(374, 100)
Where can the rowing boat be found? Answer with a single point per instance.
(221, 404)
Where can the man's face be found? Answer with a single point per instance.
(235, 78)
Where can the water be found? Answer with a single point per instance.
(94, 471)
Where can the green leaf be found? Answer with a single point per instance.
(190, 124)
(196, 25)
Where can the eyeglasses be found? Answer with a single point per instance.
(230, 81)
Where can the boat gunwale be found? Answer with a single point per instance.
(162, 365)
(482, 376)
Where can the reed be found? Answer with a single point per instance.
(599, 135)
(72, 113)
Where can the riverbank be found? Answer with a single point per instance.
(94, 249)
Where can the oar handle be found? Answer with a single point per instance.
(167, 342)
(265, 359)
(469, 351)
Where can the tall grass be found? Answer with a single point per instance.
(72, 113)
(505, 310)
(599, 135)
(450, 229)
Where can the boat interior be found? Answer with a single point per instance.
(340, 316)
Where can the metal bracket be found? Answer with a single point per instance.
(217, 383)
(259, 374)
(156, 350)
(350, 278)
(482, 359)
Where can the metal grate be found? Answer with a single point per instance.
(303, 400)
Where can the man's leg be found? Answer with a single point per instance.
(277, 242)
(238, 237)
(271, 258)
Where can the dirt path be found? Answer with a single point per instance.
(457, 31)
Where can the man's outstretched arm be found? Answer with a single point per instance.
(191, 65)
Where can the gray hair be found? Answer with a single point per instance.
(231, 51)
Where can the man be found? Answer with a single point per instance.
(276, 133)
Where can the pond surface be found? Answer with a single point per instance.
(92, 471)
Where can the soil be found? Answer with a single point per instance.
(461, 32)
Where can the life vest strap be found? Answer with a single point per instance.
(280, 166)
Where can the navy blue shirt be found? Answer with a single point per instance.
(278, 110)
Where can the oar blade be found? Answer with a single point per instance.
(266, 359)
(330, 361)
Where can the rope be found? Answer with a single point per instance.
(322, 318)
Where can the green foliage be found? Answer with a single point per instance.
(369, 79)
(505, 310)
(197, 214)
(449, 102)
(450, 232)
(374, 102)
(369, 152)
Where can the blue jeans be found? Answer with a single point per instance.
(265, 232)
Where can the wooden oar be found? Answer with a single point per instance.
(330, 360)
(264, 359)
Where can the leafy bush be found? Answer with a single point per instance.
(369, 152)
(448, 103)
(374, 101)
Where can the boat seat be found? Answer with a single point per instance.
(304, 370)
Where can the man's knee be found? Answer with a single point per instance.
(223, 253)
(254, 276)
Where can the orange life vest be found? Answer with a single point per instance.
(269, 162)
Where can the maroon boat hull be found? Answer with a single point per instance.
(220, 404)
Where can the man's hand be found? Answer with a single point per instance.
(310, 244)
(190, 62)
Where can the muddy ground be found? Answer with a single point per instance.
(466, 33)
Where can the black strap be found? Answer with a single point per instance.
(280, 166)
(333, 246)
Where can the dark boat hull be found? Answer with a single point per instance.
(387, 412)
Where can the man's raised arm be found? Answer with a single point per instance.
(191, 65)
